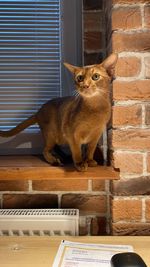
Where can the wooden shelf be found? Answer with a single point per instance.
(35, 168)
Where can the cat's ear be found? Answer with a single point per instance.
(110, 63)
(70, 67)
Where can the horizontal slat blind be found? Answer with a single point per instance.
(30, 53)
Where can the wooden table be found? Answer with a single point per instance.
(40, 251)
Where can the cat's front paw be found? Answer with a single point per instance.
(57, 162)
(54, 161)
(92, 163)
(81, 166)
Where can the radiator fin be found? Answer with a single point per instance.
(39, 222)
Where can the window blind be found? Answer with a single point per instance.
(30, 58)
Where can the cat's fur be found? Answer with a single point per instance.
(76, 120)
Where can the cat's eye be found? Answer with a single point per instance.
(80, 78)
(95, 76)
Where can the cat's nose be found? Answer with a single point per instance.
(86, 86)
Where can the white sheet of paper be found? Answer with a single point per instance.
(74, 254)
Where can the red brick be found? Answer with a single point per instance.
(14, 185)
(83, 230)
(98, 226)
(132, 186)
(98, 185)
(25, 201)
(135, 42)
(127, 115)
(131, 229)
(130, 18)
(138, 139)
(147, 211)
(130, 1)
(147, 16)
(93, 41)
(135, 90)
(147, 114)
(126, 210)
(128, 162)
(87, 204)
(147, 67)
(93, 21)
(57, 185)
(148, 162)
(128, 67)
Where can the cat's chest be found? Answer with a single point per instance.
(91, 126)
(86, 132)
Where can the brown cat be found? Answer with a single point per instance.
(76, 120)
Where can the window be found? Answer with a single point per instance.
(36, 36)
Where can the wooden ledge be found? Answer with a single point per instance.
(35, 168)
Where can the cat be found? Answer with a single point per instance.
(75, 120)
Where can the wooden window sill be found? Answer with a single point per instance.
(35, 168)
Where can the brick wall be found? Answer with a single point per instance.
(90, 197)
(131, 117)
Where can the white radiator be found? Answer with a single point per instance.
(39, 222)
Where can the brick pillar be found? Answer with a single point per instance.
(131, 117)
(94, 34)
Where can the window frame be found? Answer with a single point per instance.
(72, 52)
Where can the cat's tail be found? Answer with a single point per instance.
(20, 127)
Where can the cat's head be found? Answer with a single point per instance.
(93, 79)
